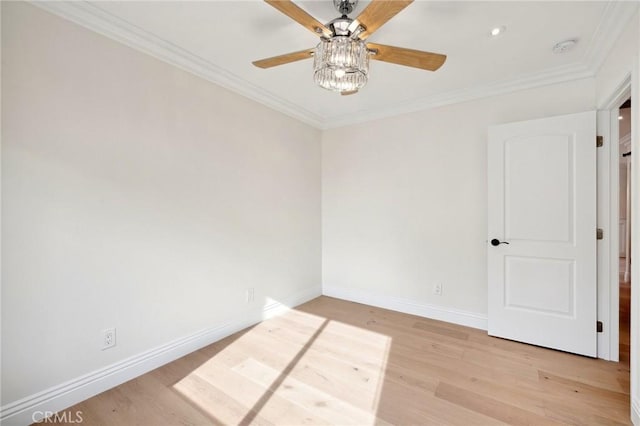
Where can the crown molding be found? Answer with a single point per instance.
(614, 19)
(93, 18)
(557, 75)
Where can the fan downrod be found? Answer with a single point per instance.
(345, 7)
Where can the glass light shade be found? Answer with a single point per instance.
(341, 64)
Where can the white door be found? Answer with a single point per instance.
(542, 232)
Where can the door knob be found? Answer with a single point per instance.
(497, 242)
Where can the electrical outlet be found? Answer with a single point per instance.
(108, 338)
(437, 289)
(250, 295)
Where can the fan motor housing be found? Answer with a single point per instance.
(340, 26)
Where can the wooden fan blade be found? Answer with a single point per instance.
(377, 14)
(407, 57)
(349, 92)
(283, 59)
(300, 16)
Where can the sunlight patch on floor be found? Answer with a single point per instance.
(321, 404)
(293, 368)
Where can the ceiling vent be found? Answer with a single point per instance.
(564, 46)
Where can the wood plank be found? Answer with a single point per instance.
(333, 410)
(456, 334)
(490, 407)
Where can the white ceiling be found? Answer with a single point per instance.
(218, 40)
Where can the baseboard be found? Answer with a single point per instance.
(32, 408)
(635, 412)
(455, 316)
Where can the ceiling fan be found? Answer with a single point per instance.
(341, 59)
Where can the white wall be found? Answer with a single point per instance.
(137, 196)
(404, 199)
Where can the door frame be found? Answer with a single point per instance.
(635, 253)
(608, 159)
(608, 128)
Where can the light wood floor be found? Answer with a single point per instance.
(336, 362)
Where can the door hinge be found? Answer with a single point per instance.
(599, 234)
(599, 141)
(599, 326)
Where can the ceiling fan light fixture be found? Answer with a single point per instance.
(341, 59)
(341, 64)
